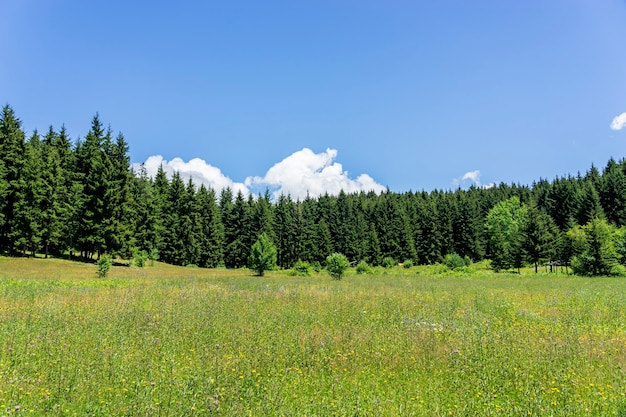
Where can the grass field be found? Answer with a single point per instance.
(168, 341)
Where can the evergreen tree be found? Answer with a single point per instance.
(211, 234)
(94, 172)
(286, 231)
(53, 210)
(539, 236)
(13, 156)
(173, 249)
(612, 193)
(238, 233)
(144, 213)
(425, 231)
(393, 228)
(589, 206)
(27, 232)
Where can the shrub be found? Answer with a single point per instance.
(363, 268)
(454, 260)
(301, 268)
(408, 264)
(140, 258)
(191, 266)
(104, 265)
(336, 265)
(389, 262)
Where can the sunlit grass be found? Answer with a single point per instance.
(176, 341)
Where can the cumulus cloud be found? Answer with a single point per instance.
(305, 172)
(619, 122)
(197, 169)
(473, 177)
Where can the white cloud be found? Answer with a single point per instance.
(473, 176)
(619, 122)
(306, 172)
(298, 174)
(197, 169)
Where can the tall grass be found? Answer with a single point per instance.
(168, 341)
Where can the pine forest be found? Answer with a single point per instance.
(81, 199)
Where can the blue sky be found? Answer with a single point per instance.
(297, 95)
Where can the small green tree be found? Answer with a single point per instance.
(104, 265)
(336, 265)
(262, 255)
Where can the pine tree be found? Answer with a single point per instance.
(393, 228)
(13, 157)
(211, 230)
(286, 231)
(53, 213)
(539, 236)
(612, 193)
(27, 232)
(94, 173)
(173, 249)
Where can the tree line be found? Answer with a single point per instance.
(81, 199)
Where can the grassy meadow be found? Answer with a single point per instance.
(171, 341)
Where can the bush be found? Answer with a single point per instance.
(454, 260)
(363, 268)
(301, 269)
(408, 264)
(104, 265)
(389, 262)
(140, 258)
(193, 266)
(336, 265)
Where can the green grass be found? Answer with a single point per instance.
(167, 341)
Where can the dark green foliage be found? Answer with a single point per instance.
(262, 255)
(336, 265)
(540, 236)
(13, 154)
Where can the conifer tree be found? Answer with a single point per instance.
(211, 232)
(13, 156)
(539, 236)
(28, 207)
(286, 231)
